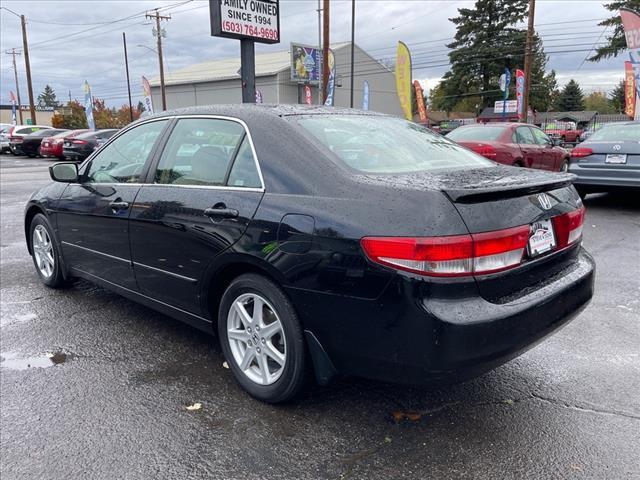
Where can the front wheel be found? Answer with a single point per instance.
(262, 339)
(564, 166)
(44, 251)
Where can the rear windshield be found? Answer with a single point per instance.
(374, 144)
(476, 133)
(617, 133)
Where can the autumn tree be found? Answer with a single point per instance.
(76, 120)
(598, 102)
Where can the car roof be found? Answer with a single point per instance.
(242, 111)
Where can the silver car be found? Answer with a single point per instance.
(608, 160)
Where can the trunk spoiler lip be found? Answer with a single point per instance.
(490, 193)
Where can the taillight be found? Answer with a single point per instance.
(79, 142)
(464, 255)
(580, 152)
(485, 150)
(568, 227)
(58, 141)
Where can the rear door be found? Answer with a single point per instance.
(531, 154)
(93, 214)
(200, 198)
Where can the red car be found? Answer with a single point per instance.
(52, 146)
(516, 144)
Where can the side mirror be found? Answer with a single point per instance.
(64, 172)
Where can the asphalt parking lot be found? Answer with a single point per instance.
(95, 386)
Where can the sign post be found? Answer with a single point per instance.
(249, 21)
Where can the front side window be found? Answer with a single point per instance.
(123, 160)
(377, 144)
(541, 137)
(201, 152)
(524, 136)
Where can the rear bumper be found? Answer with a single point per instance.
(411, 335)
(74, 155)
(610, 176)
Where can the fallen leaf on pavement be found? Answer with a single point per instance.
(399, 416)
(195, 406)
(225, 365)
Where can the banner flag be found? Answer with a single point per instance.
(403, 79)
(422, 109)
(308, 96)
(631, 24)
(88, 105)
(629, 90)
(146, 89)
(258, 96)
(12, 98)
(331, 86)
(365, 96)
(519, 93)
(505, 81)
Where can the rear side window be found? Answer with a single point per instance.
(207, 152)
(123, 160)
(380, 144)
(524, 136)
(486, 133)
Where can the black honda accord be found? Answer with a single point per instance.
(320, 240)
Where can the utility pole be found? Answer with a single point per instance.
(528, 60)
(321, 83)
(25, 46)
(159, 17)
(353, 36)
(13, 53)
(126, 67)
(325, 48)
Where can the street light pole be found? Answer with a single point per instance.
(528, 60)
(353, 35)
(126, 66)
(13, 53)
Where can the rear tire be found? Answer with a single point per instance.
(264, 348)
(45, 253)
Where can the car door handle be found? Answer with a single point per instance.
(221, 212)
(119, 205)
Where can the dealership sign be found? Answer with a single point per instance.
(509, 106)
(257, 20)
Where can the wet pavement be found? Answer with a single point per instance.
(95, 386)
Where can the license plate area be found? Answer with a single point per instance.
(616, 158)
(542, 238)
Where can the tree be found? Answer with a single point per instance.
(76, 120)
(616, 42)
(599, 102)
(571, 98)
(618, 98)
(48, 98)
(486, 43)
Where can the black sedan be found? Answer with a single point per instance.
(390, 253)
(31, 143)
(80, 147)
(608, 160)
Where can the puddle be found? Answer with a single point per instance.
(13, 361)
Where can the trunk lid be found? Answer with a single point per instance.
(619, 155)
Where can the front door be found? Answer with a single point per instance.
(93, 214)
(531, 151)
(204, 191)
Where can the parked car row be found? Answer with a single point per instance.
(41, 140)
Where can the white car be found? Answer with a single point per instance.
(18, 132)
(4, 137)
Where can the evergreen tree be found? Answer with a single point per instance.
(48, 98)
(616, 42)
(618, 99)
(486, 43)
(571, 98)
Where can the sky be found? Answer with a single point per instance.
(74, 41)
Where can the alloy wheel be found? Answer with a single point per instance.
(256, 339)
(43, 251)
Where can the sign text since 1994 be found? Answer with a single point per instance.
(257, 19)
